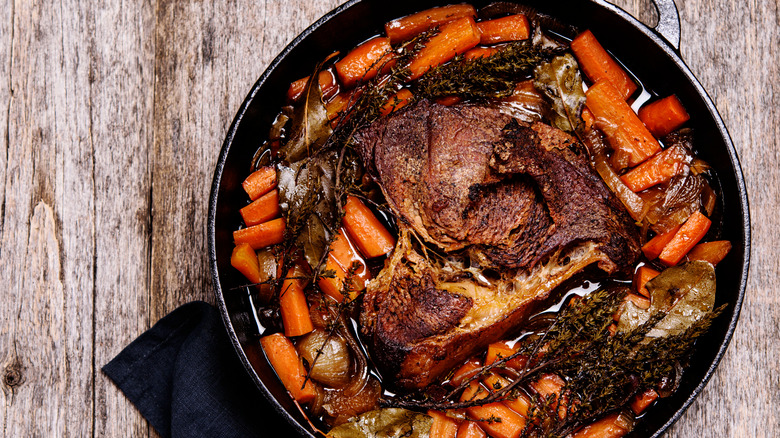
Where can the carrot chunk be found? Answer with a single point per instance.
(664, 116)
(371, 237)
(453, 38)
(403, 28)
(654, 246)
(500, 350)
(657, 169)
(261, 235)
(328, 86)
(588, 118)
(470, 429)
(332, 286)
(469, 369)
(690, 233)
(641, 401)
(598, 65)
(293, 306)
(285, 361)
(638, 300)
(260, 182)
(631, 140)
(521, 404)
(713, 252)
(365, 61)
(346, 255)
(500, 30)
(641, 277)
(398, 101)
(443, 426)
(511, 423)
(244, 259)
(480, 52)
(551, 385)
(611, 426)
(262, 209)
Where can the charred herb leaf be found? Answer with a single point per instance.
(685, 293)
(310, 125)
(482, 78)
(560, 80)
(385, 423)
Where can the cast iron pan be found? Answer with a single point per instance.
(651, 54)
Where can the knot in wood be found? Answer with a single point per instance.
(12, 377)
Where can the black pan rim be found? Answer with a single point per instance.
(656, 38)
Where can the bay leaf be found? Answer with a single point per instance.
(685, 293)
(310, 124)
(560, 80)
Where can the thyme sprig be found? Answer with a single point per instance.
(488, 77)
(601, 371)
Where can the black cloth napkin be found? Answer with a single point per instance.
(185, 378)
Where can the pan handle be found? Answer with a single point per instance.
(668, 22)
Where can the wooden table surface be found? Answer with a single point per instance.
(112, 115)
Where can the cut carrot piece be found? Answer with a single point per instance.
(285, 361)
(454, 38)
(470, 429)
(664, 116)
(346, 255)
(631, 140)
(500, 30)
(469, 369)
(551, 385)
(713, 252)
(403, 28)
(500, 350)
(442, 426)
(598, 65)
(262, 209)
(642, 276)
(332, 286)
(261, 235)
(293, 306)
(371, 237)
(641, 401)
(657, 169)
(611, 426)
(638, 300)
(244, 259)
(511, 423)
(480, 52)
(520, 405)
(398, 101)
(691, 232)
(364, 61)
(328, 86)
(588, 118)
(260, 182)
(654, 246)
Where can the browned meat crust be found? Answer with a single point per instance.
(516, 197)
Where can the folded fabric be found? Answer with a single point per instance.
(186, 380)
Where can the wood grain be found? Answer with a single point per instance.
(111, 119)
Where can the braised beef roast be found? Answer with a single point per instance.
(474, 190)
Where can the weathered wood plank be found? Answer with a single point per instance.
(48, 233)
(207, 58)
(121, 74)
(111, 119)
(733, 52)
